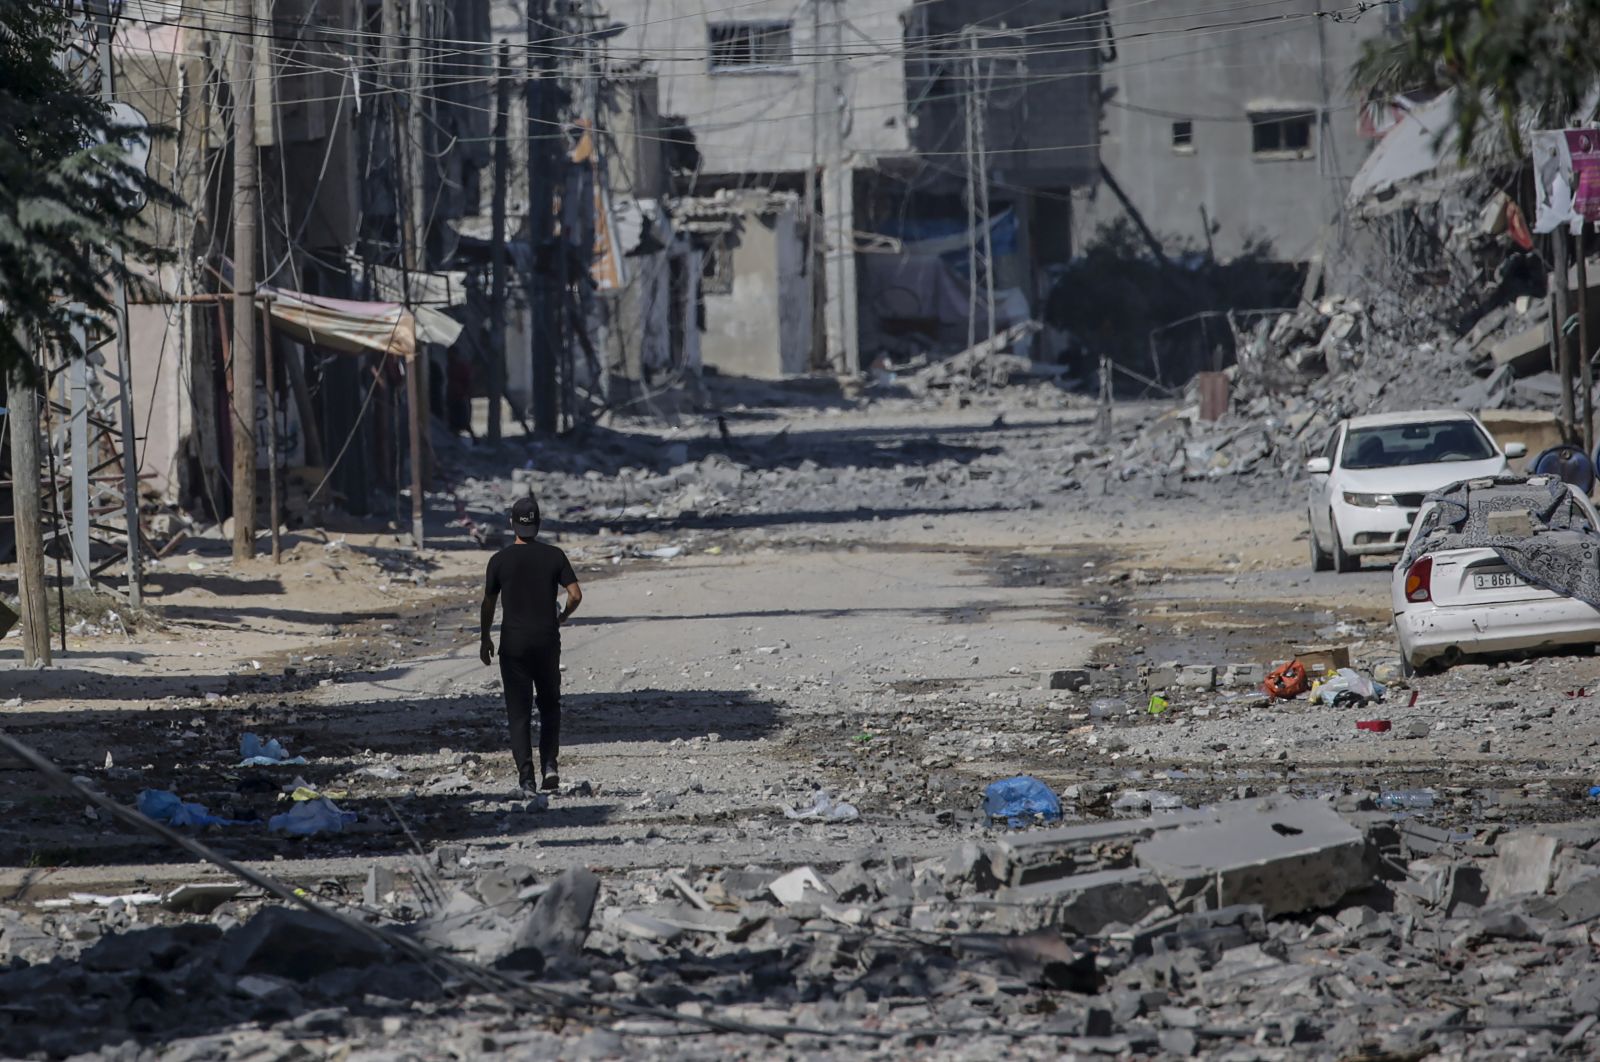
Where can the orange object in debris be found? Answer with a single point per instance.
(1517, 227)
(1288, 681)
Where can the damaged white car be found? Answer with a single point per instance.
(1498, 566)
(1368, 482)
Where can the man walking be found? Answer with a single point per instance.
(525, 577)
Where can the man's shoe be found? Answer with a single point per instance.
(552, 782)
(529, 787)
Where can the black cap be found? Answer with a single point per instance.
(525, 514)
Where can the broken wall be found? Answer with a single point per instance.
(754, 290)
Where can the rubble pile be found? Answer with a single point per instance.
(1282, 927)
(1468, 329)
(749, 482)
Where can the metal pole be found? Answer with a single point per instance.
(968, 98)
(245, 192)
(55, 514)
(78, 436)
(273, 516)
(1563, 349)
(119, 301)
(1585, 351)
(497, 246)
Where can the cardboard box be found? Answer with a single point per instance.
(1322, 660)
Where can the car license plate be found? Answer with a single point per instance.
(1496, 580)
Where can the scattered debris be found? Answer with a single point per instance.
(270, 754)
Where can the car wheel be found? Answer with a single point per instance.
(1320, 561)
(1342, 561)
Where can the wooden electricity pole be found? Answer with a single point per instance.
(27, 521)
(245, 193)
(545, 174)
(497, 245)
(408, 147)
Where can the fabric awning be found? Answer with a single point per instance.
(354, 327)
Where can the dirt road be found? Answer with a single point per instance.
(889, 654)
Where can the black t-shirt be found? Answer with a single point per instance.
(526, 576)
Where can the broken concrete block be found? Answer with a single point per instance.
(1286, 856)
(297, 944)
(497, 890)
(559, 922)
(1523, 861)
(1243, 676)
(853, 882)
(794, 886)
(646, 927)
(1083, 903)
(1070, 679)
(201, 897)
(972, 864)
(379, 888)
(1198, 677)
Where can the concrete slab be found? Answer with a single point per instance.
(1522, 866)
(1287, 856)
(1043, 855)
(1083, 903)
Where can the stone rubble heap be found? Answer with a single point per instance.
(1265, 928)
(1471, 332)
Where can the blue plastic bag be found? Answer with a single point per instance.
(270, 754)
(163, 806)
(311, 817)
(1018, 800)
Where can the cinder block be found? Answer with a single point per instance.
(1070, 679)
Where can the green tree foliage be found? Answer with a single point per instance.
(1507, 60)
(67, 191)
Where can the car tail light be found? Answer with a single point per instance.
(1419, 580)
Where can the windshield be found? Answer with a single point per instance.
(1426, 443)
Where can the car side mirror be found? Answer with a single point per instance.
(1319, 466)
(1516, 450)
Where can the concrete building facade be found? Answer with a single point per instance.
(1224, 128)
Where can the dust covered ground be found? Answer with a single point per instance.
(863, 598)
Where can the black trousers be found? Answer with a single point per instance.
(532, 675)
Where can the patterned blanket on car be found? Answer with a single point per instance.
(1561, 554)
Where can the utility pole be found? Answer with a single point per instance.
(119, 300)
(27, 520)
(245, 193)
(546, 162)
(816, 281)
(838, 206)
(408, 148)
(980, 245)
(497, 245)
(1558, 320)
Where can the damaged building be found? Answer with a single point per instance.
(887, 178)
